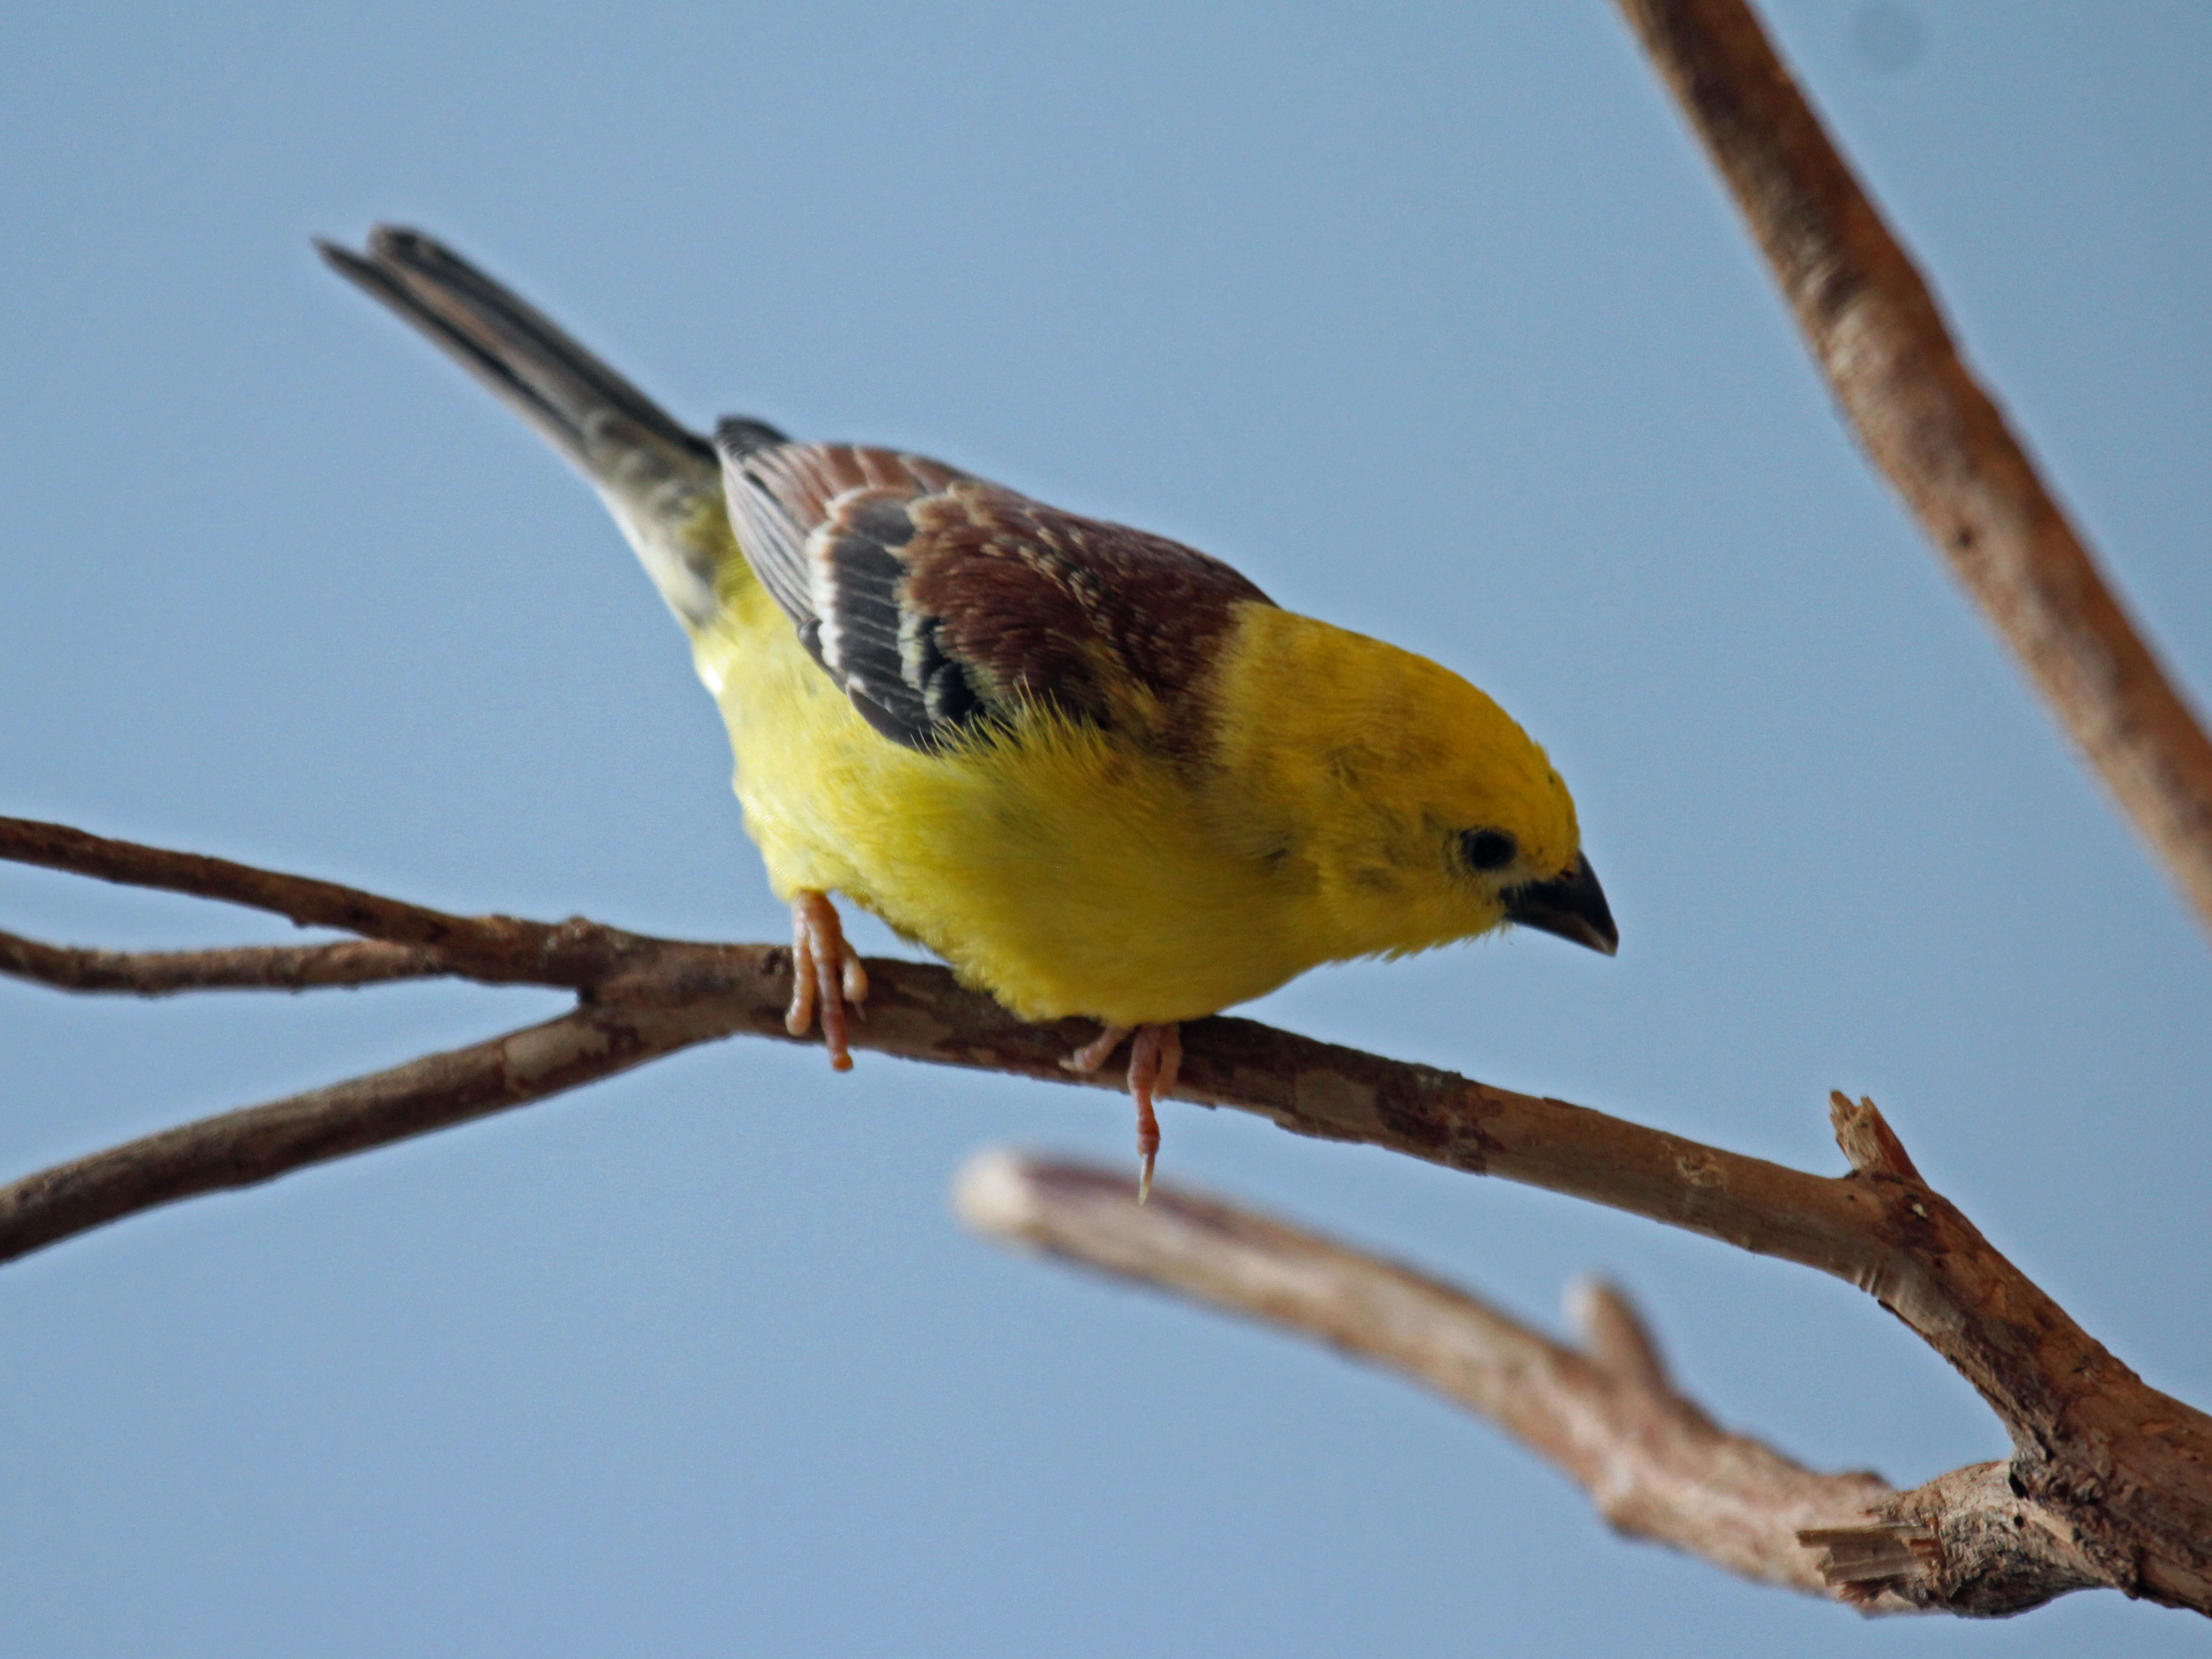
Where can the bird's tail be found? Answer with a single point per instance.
(662, 482)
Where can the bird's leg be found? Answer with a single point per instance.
(1154, 1059)
(825, 975)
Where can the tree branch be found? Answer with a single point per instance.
(241, 968)
(1654, 1465)
(1607, 1414)
(1877, 333)
(245, 1148)
(496, 949)
(2122, 1470)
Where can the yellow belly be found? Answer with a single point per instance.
(1063, 871)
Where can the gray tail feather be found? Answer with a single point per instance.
(651, 471)
(529, 362)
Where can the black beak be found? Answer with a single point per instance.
(1572, 905)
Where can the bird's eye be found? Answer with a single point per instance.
(1489, 850)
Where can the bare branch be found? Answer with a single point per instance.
(243, 1148)
(1876, 332)
(1656, 1466)
(241, 968)
(499, 949)
(2120, 1471)
(1653, 1462)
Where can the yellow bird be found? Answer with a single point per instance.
(1100, 774)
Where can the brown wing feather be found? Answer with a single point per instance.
(1065, 609)
(941, 602)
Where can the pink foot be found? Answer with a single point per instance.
(825, 975)
(1154, 1059)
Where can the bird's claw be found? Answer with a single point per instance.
(1097, 1052)
(826, 976)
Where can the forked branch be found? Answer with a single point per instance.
(1606, 1412)
(2119, 1472)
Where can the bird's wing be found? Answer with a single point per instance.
(942, 604)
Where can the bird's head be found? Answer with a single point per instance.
(1411, 806)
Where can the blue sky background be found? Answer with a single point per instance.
(1428, 317)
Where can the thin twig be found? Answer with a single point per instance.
(241, 968)
(500, 948)
(1877, 333)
